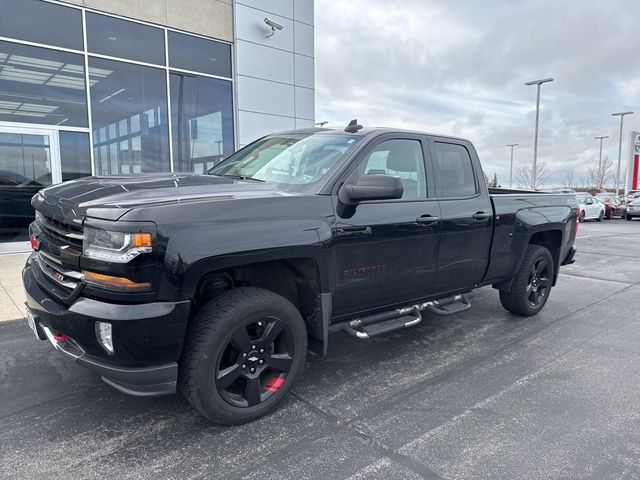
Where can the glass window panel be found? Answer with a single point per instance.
(199, 54)
(401, 158)
(120, 38)
(122, 127)
(25, 167)
(41, 22)
(456, 170)
(39, 85)
(130, 91)
(135, 123)
(74, 155)
(201, 121)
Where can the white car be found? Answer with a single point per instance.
(633, 209)
(590, 207)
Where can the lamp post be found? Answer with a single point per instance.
(511, 164)
(534, 172)
(621, 115)
(600, 176)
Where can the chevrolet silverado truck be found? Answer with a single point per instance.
(218, 284)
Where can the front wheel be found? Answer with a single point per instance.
(581, 218)
(628, 217)
(531, 286)
(244, 352)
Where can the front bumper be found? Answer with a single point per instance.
(147, 337)
(633, 213)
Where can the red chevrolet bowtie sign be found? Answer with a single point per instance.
(634, 161)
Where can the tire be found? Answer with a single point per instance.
(254, 343)
(600, 217)
(628, 217)
(581, 218)
(518, 299)
(610, 216)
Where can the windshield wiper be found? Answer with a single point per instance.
(241, 177)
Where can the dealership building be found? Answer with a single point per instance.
(104, 87)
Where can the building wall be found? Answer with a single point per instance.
(275, 75)
(212, 18)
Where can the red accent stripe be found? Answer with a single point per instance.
(274, 384)
(634, 178)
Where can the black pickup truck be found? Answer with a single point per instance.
(217, 284)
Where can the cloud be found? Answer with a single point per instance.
(459, 68)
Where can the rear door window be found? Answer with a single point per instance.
(457, 178)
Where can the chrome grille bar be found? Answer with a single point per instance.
(54, 275)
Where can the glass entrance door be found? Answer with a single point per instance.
(29, 161)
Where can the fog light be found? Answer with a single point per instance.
(105, 336)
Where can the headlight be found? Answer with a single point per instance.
(117, 247)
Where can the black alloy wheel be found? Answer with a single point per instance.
(255, 363)
(243, 353)
(539, 282)
(581, 218)
(530, 289)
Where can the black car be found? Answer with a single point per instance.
(217, 284)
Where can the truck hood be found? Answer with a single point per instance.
(112, 196)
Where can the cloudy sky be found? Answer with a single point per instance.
(458, 67)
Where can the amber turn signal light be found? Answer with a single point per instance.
(109, 281)
(141, 240)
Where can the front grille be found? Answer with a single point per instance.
(67, 279)
(69, 234)
(58, 257)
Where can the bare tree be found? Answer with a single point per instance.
(569, 180)
(601, 174)
(524, 177)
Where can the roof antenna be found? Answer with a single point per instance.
(353, 126)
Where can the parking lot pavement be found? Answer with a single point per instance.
(483, 394)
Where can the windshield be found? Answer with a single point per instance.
(294, 160)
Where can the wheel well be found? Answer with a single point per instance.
(295, 279)
(552, 240)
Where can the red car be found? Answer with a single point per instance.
(612, 206)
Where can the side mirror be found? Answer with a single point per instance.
(372, 187)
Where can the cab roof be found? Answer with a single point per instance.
(365, 131)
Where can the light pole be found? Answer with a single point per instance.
(600, 176)
(621, 115)
(511, 167)
(534, 173)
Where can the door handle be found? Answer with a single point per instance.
(481, 216)
(353, 231)
(427, 219)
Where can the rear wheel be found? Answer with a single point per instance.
(244, 352)
(531, 287)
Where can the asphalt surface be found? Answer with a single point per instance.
(483, 394)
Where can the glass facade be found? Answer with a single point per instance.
(43, 86)
(117, 97)
(129, 113)
(201, 122)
